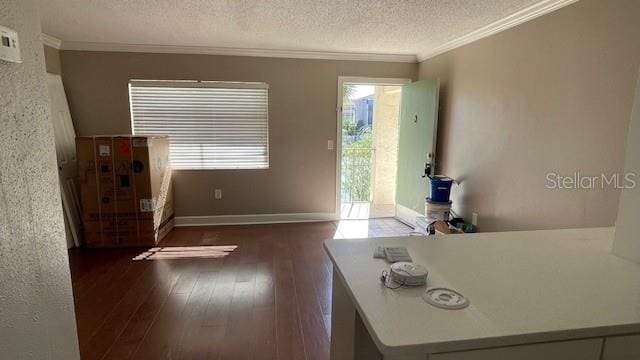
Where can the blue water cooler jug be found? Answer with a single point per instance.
(440, 188)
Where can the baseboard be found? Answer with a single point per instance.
(406, 215)
(253, 219)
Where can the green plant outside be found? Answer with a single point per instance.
(356, 169)
(357, 155)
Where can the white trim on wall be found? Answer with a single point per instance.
(51, 41)
(507, 22)
(253, 219)
(203, 50)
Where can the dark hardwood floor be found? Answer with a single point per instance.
(270, 299)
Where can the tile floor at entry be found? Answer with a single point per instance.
(366, 210)
(269, 299)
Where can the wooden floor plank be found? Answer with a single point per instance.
(239, 333)
(264, 345)
(92, 310)
(217, 310)
(129, 340)
(290, 343)
(116, 321)
(105, 270)
(161, 337)
(190, 344)
(311, 319)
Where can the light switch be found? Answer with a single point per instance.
(330, 145)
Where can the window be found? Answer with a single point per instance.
(210, 124)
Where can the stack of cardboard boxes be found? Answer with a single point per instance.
(125, 189)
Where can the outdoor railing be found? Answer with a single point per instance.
(357, 166)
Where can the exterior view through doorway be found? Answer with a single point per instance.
(368, 122)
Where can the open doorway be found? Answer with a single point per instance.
(368, 120)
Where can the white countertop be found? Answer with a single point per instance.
(526, 286)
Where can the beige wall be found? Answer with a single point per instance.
(302, 117)
(386, 113)
(553, 94)
(36, 303)
(52, 60)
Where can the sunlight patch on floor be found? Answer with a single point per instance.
(355, 211)
(186, 252)
(357, 229)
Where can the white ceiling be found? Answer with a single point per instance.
(400, 27)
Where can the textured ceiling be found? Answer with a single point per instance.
(360, 26)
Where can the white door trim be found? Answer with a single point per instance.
(356, 80)
(406, 215)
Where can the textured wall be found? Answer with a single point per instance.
(551, 95)
(52, 60)
(302, 117)
(36, 304)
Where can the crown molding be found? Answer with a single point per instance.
(51, 41)
(517, 18)
(201, 50)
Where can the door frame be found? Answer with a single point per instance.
(354, 80)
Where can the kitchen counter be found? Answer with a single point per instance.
(524, 287)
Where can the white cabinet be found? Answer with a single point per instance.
(565, 350)
(622, 348)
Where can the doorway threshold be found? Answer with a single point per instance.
(355, 210)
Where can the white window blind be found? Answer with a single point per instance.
(211, 125)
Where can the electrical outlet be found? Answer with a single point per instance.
(217, 194)
(474, 219)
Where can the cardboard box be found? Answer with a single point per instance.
(125, 189)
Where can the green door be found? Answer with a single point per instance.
(416, 142)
